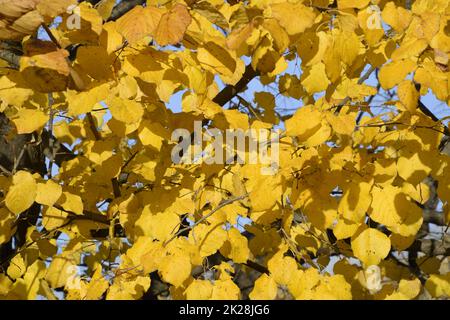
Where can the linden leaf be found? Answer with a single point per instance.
(370, 246)
(175, 269)
(61, 270)
(225, 290)
(173, 25)
(138, 23)
(295, 18)
(308, 125)
(199, 290)
(438, 285)
(265, 288)
(395, 72)
(408, 95)
(356, 201)
(209, 239)
(48, 193)
(22, 194)
(215, 58)
(28, 120)
(236, 247)
(124, 110)
(72, 203)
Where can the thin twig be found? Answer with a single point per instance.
(220, 206)
(360, 81)
(5, 171)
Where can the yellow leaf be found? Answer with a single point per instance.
(53, 218)
(51, 9)
(345, 229)
(208, 10)
(395, 72)
(282, 268)
(398, 18)
(308, 125)
(97, 286)
(22, 193)
(62, 269)
(343, 124)
(54, 60)
(105, 8)
(28, 121)
(84, 102)
(153, 256)
(239, 36)
(295, 18)
(346, 4)
(199, 290)
(383, 206)
(356, 201)
(315, 79)
(370, 246)
(31, 285)
(17, 267)
(110, 38)
(128, 288)
(236, 247)
(279, 35)
(160, 226)
(410, 288)
(138, 23)
(438, 285)
(225, 290)
(408, 95)
(208, 238)
(72, 203)
(152, 134)
(265, 192)
(124, 110)
(7, 220)
(265, 288)
(216, 59)
(175, 269)
(48, 193)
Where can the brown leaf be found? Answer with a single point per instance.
(51, 8)
(17, 8)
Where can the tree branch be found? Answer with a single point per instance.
(256, 266)
(230, 91)
(435, 217)
(360, 81)
(123, 7)
(220, 206)
(432, 116)
(432, 247)
(12, 58)
(87, 215)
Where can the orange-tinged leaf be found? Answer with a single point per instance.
(173, 25)
(138, 23)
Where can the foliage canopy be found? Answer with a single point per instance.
(93, 207)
